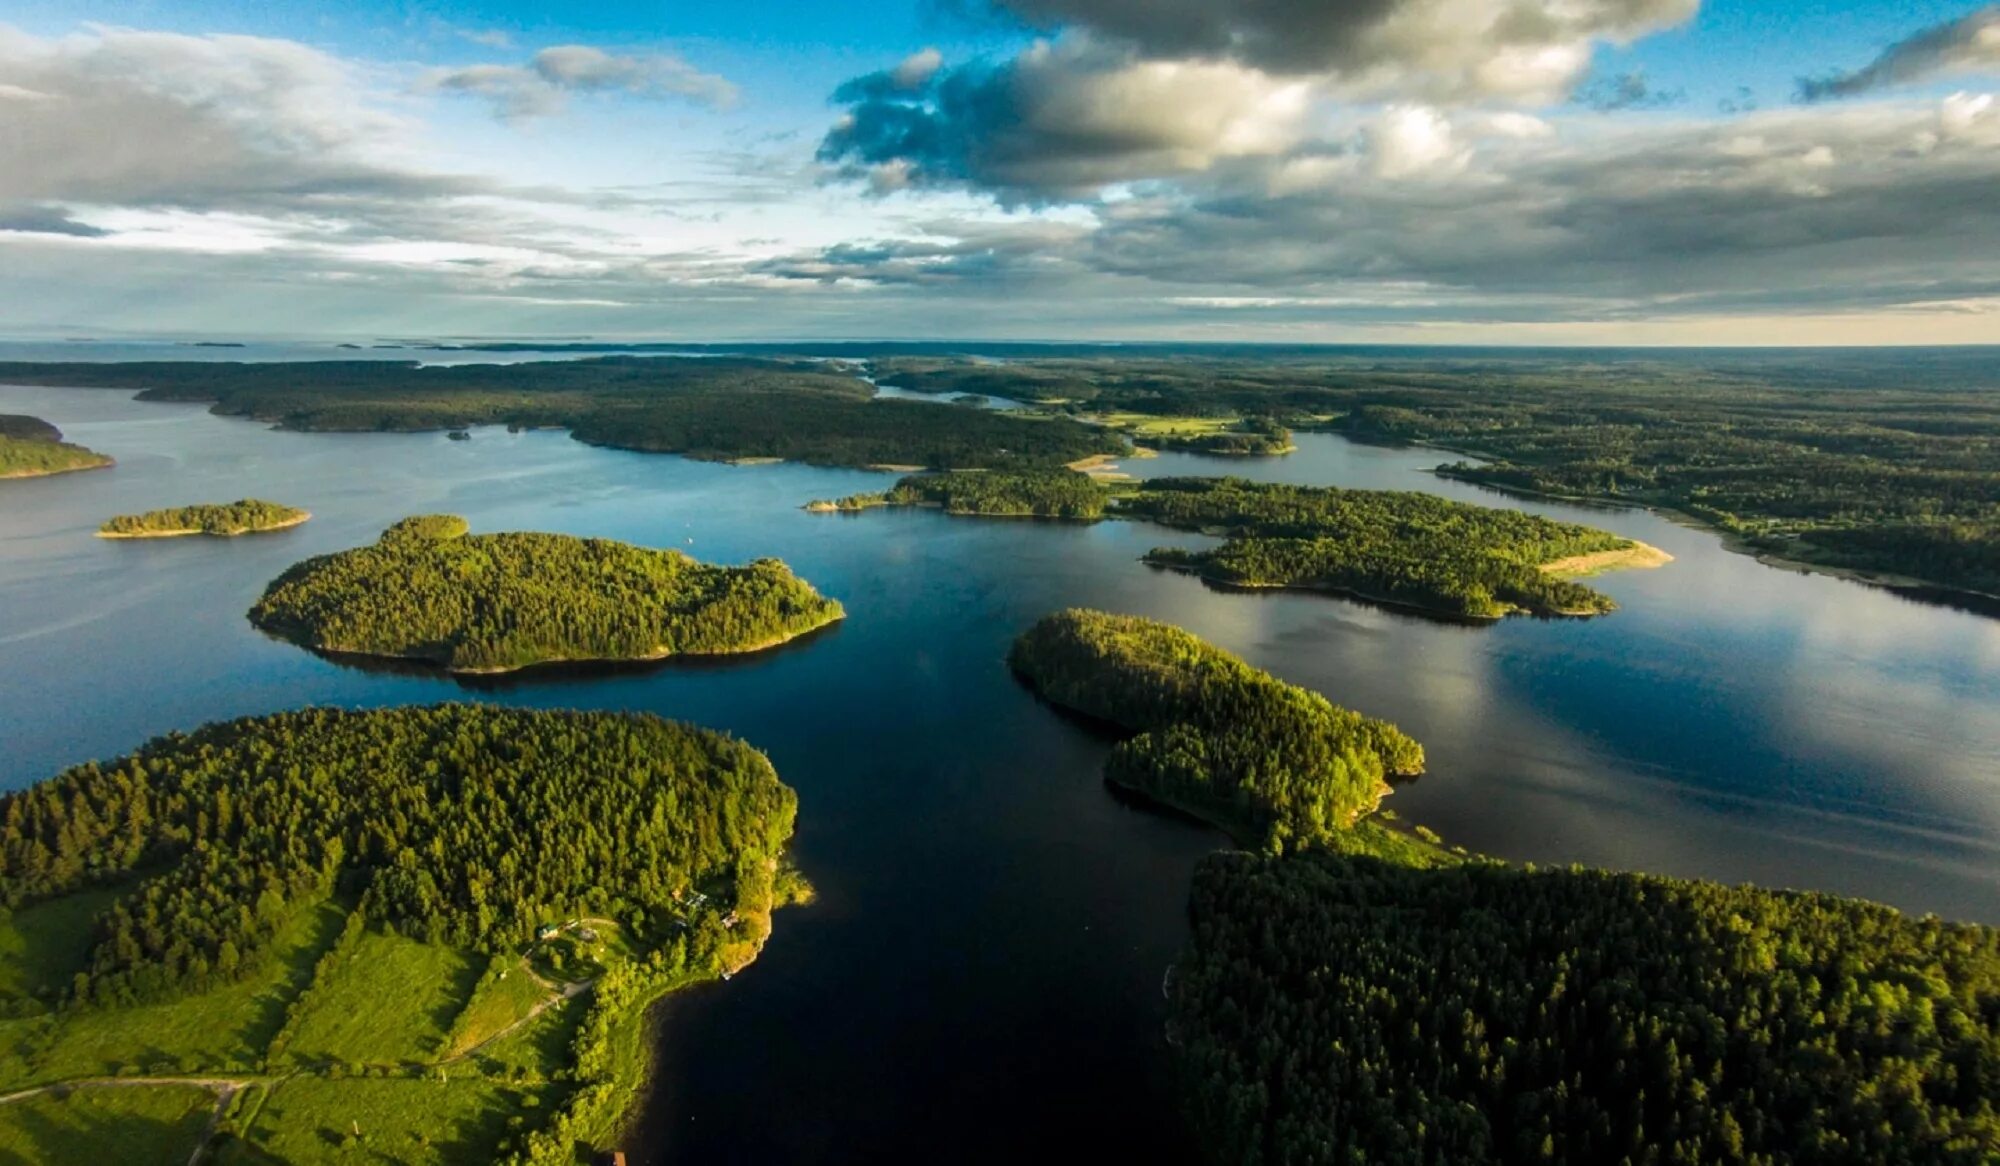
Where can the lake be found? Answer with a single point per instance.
(980, 978)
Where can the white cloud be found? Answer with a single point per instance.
(543, 86)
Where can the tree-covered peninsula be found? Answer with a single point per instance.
(420, 935)
(249, 516)
(1027, 494)
(1271, 762)
(428, 591)
(1411, 549)
(32, 448)
(1354, 994)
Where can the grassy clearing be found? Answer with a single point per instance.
(530, 1051)
(42, 946)
(1141, 425)
(497, 1004)
(225, 1030)
(384, 1000)
(136, 1124)
(410, 1121)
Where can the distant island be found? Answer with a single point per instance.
(1270, 762)
(424, 935)
(428, 591)
(1404, 548)
(1354, 991)
(249, 516)
(1029, 494)
(1411, 550)
(32, 448)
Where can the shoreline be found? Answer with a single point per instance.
(1908, 586)
(502, 670)
(184, 533)
(1640, 556)
(22, 475)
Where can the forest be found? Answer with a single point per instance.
(428, 591)
(1247, 437)
(1345, 1009)
(717, 408)
(1884, 461)
(302, 904)
(1413, 549)
(31, 448)
(1274, 764)
(248, 516)
(1025, 494)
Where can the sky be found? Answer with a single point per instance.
(1705, 172)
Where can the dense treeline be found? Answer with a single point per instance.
(717, 408)
(1408, 548)
(31, 447)
(1348, 1010)
(456, 823)
(428, 591)
(1045, 494)
(1273, 763)
(1882, 460)
(243, 517)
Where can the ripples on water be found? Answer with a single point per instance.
(980, 980)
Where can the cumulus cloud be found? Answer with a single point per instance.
(1808, 209)
(123, 117)
(1969, 44)
(1061, 119)
(544, 85)
(1428, 49)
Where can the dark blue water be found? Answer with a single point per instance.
(980, 978)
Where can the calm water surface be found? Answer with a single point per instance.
(980, 980)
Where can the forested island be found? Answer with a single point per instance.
(721, 408)
(429, 591)
(248, 516)
(1274, 764)
(1884, 463)
(1410, 549)
(1027, 494)
(32, 448)
(421, 935)
(1355, 993)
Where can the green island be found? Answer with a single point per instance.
(1227, 436)
(32, 448)
(1274, 764)
(1353, 992)
(1884, 464)
(429, 591)
(249, 516)
(423, 935)
(1411, 550)
(1404, 548)
(720, 408)
(1024, 494)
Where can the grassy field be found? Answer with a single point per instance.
(1143, 425)
(225, 1030)
(136, 1124)
(385, 1000)
(410, 1121)
(497, 1005)
(42, 946)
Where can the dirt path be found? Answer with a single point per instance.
(568, 991)
(1641, 555)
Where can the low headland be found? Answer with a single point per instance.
(1356, 991)
(224, 520)
(430, 592)
(994, 494)
(246, 934)
(32, 448)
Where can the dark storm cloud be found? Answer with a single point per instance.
(44, 220)
(1969, 44)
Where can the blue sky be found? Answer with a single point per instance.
(1490, 171)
